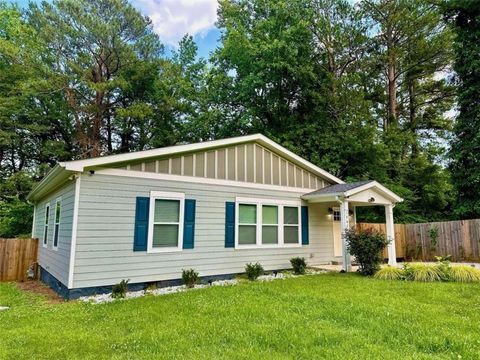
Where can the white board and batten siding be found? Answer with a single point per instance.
(56, 261)
(106, 216)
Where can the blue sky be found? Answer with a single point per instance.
(174, 18)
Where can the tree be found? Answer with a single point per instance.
(104, 49)
(465, 147)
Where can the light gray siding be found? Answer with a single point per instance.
(57, 261)
(248, 162)
(104, 250)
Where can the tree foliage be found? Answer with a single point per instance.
(465, 151)
(360, 89)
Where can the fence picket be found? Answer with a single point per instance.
(16, 255)
(460, 239)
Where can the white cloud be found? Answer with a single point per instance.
(172, 19)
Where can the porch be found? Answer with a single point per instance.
(346, 198)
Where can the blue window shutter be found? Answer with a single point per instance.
(141, 224)
(189, 224)
(229, 224)
(304, 225)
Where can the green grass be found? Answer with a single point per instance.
(332, 316)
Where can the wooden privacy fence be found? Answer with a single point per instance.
(16, 255)
(460, 239)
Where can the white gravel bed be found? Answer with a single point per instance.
(106, 298)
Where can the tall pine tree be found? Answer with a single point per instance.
(465, 151)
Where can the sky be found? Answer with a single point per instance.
(172, 19)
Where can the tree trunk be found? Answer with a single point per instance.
(412, 115)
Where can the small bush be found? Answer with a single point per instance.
(423, 272)
(367, 246)
(299, 265)
(464, 273)
(119, 290)
(443, 258)
(253, 271)
(189, 277)
(390, 273)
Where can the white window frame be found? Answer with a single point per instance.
(165, 196)
(57, 201)
(46, 224)
(259, 224)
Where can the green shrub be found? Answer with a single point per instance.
(253, 271)
(443, 258)
(119, 290)
(390, 273)
(423, 272)
(367, 247)
(464, 273)
(299, 265)
(189, 277)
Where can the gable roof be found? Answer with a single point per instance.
(349, 189)
(63, 170)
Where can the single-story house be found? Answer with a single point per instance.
(212, 206)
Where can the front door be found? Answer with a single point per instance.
(337, 233)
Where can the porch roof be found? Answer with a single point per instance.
(368, 192)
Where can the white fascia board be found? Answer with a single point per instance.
(376, 185)
(80, 165)
(54, 177)
(322, 197)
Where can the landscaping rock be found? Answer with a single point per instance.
(3, 308)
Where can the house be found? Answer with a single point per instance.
(213, 206)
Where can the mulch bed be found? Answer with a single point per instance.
(37, 287)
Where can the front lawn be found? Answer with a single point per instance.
(331, 316)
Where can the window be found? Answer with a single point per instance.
(165, 221)
(56, 229)
(45, 226)
(247, 224)
(290, 227)
(269, 223)
(336, 215)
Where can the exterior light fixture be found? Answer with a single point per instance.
(371, 200)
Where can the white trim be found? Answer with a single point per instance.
(164, 195)
(170, 161)
(79, 165)
(182, 165)
(254, 163)
(259, 202)
(73, 242)
(58, 200)
(157, 166)
(46, 223)
(378, 186)
(198, 180)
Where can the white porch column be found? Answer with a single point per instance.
(344, 226)
(392, 256)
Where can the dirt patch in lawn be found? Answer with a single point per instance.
(37, 287)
